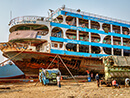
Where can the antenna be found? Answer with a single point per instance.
(63, 7)
(48, 13)
(10, 15)
(51, 10)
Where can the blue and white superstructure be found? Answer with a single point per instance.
(116, 37)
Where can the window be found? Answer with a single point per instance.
(54, 45)
(61, 45)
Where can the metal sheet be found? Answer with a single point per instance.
(22, 34)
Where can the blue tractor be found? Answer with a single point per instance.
(48, 76)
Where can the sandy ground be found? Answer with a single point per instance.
(67, 90)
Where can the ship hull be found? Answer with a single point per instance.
(10, 72)
(30, 62)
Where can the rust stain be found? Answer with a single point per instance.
(65, 13)
(82, 16)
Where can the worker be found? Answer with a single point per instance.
(127, 80)
(114, 84)
(87, 72)
(40, 74)
(97, 79)
(58, 81)
(91, 75)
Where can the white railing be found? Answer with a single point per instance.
(92, 15)
(39, 18)
(26, 18)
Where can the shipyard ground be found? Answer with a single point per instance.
(69, 89)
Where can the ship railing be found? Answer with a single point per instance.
(91, 15)
(26, 18)
(97, 16)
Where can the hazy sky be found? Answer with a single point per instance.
(119, 9)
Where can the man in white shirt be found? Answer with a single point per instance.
(127, 80)
(58, 81)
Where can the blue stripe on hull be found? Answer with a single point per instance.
(77, 53)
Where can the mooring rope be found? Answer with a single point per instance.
(12, 57)
(52, 61)
(67, 69)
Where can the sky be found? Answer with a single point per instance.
(119, 9)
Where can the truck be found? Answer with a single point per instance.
(116, 68)
(48, 76)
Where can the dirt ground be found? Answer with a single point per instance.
(67, 90)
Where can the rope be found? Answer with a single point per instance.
(67, 69)
(52, 61)
(11, 57)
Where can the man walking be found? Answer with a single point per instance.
(97, 79)
(58, 81)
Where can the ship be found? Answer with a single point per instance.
(79, 38)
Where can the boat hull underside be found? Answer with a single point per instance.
(30, 62)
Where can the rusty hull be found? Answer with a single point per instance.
(30, 62)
